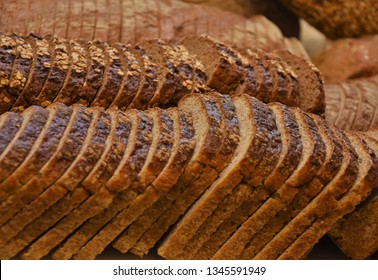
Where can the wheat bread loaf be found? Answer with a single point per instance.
(10, 123)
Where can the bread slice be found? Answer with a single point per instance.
(319, 205)
(168, 74)
(131, 72)
(312, 158)
(329, 169)
(34, 120)
(288, 162)
(364, 184)
(149, 78)
(40, 192)
(356, 233)
(311, 91)
(93, 147)
(8, 54)
(182, 151)
(20, 71)
(117, 141)
(58, 71)
(153, 223)
(76, 73)
(222, 63)
(41, 151)
(254, 124)
(157, 158)
(37, 75)
(267, 166)
(10, 123)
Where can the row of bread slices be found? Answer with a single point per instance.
(235, 177)
(41, 71)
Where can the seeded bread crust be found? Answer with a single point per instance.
(33, 123)
(132, 77)
(7, 60)
(313, 154)
(12, 75)
(142, 202)
(290, 156)
(149, 79)
(41, 62)
(366, 181)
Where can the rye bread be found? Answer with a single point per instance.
(39, 193)
(34, 120)
(355, 234)
(329, 169)
(37, 75)
(365, 183)
(323, 202)
(289, 160)
(43, 148)
(311, 91)
(181, 154)
(312, 158)
(222, 64)
(254, 127)
(152, 225)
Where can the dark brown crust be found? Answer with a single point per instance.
(57, 74)
(76, 74)
(37, 75)
(141, 202)
(346, 201)
(117, 142)
(10, 124)
(92, 149)
(167, 179)
(131, 70)
(325, 201)
(149, 80)
(34, 121)
(8, 57)
(113, 77)
(43, 148)
(284, 169)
